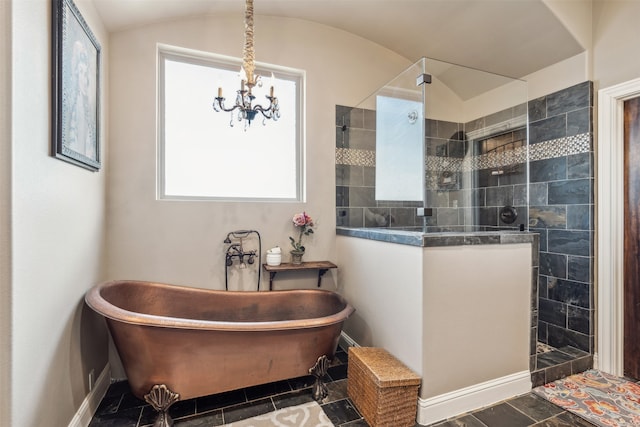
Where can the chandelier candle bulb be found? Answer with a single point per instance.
(219, 92)
(271, 92)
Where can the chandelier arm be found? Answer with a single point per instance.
(223, 108)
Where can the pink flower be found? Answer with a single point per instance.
(305, 223)
(302, 219)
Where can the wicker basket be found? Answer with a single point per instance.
(383, 389)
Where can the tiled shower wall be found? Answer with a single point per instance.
(467, 187)
(561, 209)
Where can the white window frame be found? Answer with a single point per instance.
(230, 63)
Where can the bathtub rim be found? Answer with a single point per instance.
(96, 302)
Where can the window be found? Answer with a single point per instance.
(201, 156)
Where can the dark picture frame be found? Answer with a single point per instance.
(76, 88)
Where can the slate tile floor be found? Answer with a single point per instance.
(120, 408)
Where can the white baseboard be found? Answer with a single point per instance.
(83, 416)
(473, 397)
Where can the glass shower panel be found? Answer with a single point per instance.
(400, 123)
(439, 148)
(476, 162)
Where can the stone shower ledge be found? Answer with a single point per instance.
(421, 239)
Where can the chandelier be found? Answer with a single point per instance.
(244, 98)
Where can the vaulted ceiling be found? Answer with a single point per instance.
(509, 37)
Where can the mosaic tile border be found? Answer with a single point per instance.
(553, 148)
(355, 157)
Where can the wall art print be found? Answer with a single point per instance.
(76, 88)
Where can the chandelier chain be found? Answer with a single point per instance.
(248, 52)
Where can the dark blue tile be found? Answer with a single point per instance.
(571, 420)
(247, 410)
(579, 166)
(542, 237)
(361, 139)
(342, 196)
(551, 358)
(350, 217)
(342, 137)
(109, 404)
(348, 175)
(548, 129)
(130, 401)
(542, 287)
(535, 407)
(547, 217)
(183, 408)
(343, 115)
(553, 312)
(538, 194)
(448, 130)
(579, 121)
(118, 388)
(560, 337)
(499, 196)
(221, 400)
(569, 292)
(499, 117)
(569, 242)
(340, 411)
(548, 170)
(503, 415)
(361, 197)
(488, 216)
(431, 128)
(302, 382)
(437, 199)
(369, 176)
(570, 99)
(486, 179)
(264, 390)
(125, 418)
(537, 109)
(579, 269)
(369, 117)
(514, 174)
(553, 265)
(292, 399)
(569, 192)
(463, 421)
(457, 149)
(338, 372)
(579, 319)
(206, 420)
(377, 217)
(579, 217)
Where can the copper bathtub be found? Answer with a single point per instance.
(179, 342)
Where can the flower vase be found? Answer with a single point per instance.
(296, 257)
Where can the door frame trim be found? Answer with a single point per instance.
(610, 225)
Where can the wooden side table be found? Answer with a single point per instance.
(321, 266)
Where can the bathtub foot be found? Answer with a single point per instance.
(161, 398)
(319, 370)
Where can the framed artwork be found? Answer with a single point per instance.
(76, 88)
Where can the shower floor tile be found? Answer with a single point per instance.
(119, 408)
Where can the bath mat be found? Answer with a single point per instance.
(602, 399)
(306, 415)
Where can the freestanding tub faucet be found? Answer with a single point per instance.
(236, 250)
